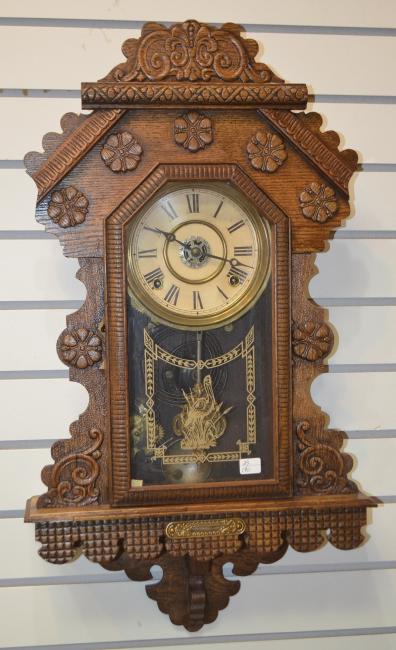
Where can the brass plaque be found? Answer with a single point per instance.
(205, 528)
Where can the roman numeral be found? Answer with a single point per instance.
(222, 293)
(193, 202)
(150, 252)
(197, 302)
(235, 226)
(242, 251)
(239, 273)
(170, 210)
(156, 274)
(172, 295)
(218, 209)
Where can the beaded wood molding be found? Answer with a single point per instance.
(228, 120)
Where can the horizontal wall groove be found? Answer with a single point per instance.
(34, 374)
(12, 164)
(365, 234)
(377, 167)
(263, 570)
(40, 304)
(46, 443)
(340, 234)
(361, 367)
(19, 514)
(12, 514)
(370, 434)
(25, 234)
(207, 640)
(333, 368)
(86, 23)
(355, 302)
(75, 93)
(353, 99)
(362, 167)
(387, 498)
(37, 443)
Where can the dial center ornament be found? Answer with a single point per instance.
(198, 255)
(194, 243)
(194, 252)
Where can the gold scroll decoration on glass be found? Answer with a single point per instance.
(202, 420)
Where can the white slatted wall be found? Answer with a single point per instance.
(345, 50)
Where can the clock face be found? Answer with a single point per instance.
(198, 255)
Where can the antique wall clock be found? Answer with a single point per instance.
(195, 197)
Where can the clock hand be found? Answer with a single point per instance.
(171, 237)
(233, 261)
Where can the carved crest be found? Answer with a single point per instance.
(191, 51)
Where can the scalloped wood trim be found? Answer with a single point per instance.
(193, 588)
(71, 147)
(78, 476)
(303, 130)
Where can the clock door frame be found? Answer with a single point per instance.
(117, 367)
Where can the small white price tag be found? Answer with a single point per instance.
(250, 465)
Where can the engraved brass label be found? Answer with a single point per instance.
(205, 528)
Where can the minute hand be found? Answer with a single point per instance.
(233, 261)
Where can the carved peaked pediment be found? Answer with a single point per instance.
(191, 51)
(195, 64)
(230, 123)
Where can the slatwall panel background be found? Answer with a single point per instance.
(328, 599)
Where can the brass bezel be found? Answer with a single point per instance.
(145, 302)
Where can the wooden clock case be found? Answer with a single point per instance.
(190, 102)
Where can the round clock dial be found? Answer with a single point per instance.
(198, 255)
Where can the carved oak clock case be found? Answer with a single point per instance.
(195, 196)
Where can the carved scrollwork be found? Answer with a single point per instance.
(322, 467)
(80, 348)
(190, 51)
(68, 207)
(73, 479)
(266, 151)
(193, 131)
(311, 341)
